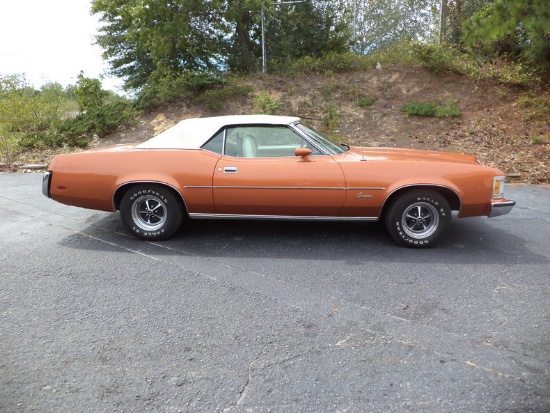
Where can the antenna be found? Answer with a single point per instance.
(363, 152)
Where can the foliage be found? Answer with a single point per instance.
(331, 118)
(44, 118)
(100, 120)
(213, 99)
(328, 64)
(8, 145)
(537, 140)
(157, 38)
(306, 29)
(381, 24)
(446, 58)
(519, 28)
(506, 71)
(267, 104)
(146, 41)
(43, 140)
(455, 13)
(537, 107)
(365, 101)
(441, 58)
(442, 109)
(24, 110)
(333, 62)
(241, 23)
(89, 93)
(174, 87)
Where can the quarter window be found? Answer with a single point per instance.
(215, 144)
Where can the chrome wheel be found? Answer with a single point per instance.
(420, 220)
(149, 212)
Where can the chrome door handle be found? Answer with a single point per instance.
(230, 169)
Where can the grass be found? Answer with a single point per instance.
(537, 108)
(440, 109)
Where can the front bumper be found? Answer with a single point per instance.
(501, 208)
(46, 182)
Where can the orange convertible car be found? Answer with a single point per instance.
(274, 167)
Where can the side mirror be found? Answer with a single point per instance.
(303, 152)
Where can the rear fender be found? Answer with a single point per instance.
(123, 184)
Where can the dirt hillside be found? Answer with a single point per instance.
(507, 127)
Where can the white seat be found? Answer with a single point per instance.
(249, 147)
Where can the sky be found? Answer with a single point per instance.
(51, 41)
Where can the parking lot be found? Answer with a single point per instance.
(268, 316)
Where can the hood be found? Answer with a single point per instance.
(398, 154)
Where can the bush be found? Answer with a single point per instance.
(100, 121)
(8, 146)
(446, 59)
(365, 101)
(213, 98)
(331, 118)
(77, 132)
(173, 87)
(333, 62)
(43, 140)
(419, 108)
(441, 59)
(537, 108)
(267, 104)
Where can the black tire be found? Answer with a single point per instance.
(417, 219)
(151, 212)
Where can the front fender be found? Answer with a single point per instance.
(448, 189)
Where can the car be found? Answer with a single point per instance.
(275, 167)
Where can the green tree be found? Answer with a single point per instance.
(144, 40)
(306, 29)
(149, 41)
(17, 108)
(89, 93)
(455, 13)
(29, 113)
(378, 24)
(513, 27)
(243, 27)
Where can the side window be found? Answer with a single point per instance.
(264, 142)
(277, 141)
(215, 144)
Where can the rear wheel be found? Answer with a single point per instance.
(151, 212)
(418, 218)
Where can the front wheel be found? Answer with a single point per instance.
(417, 219)
(151, 212)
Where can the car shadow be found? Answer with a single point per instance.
(469, 240)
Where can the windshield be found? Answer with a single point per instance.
(321, 140)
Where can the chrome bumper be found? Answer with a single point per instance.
(501, 208)
(46, 180)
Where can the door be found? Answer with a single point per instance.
(262, 176)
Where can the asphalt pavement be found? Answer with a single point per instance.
(270, 316)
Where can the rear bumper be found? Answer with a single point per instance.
(46, 181)
(501, 208)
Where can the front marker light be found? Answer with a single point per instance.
(498, 187)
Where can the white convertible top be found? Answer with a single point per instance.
(194, 132)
